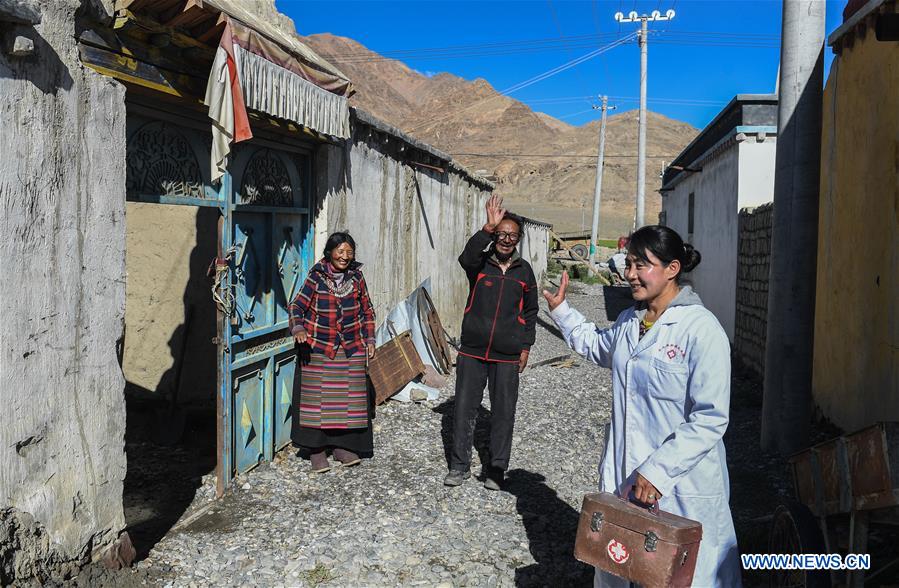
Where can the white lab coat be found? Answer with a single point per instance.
(670, 405)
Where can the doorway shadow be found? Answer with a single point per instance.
(170, 434)
(162, 480)
(551, 527)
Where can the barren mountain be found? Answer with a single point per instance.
(553, 172)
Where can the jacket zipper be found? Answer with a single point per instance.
(495, 315)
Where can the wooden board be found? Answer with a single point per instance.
(852, 472)
(395, 364)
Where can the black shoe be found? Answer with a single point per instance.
(493, 478)
(456, 477)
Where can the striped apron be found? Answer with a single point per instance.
(334, 392)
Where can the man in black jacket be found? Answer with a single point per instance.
(497, 334)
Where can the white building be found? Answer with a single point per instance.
(728, 166)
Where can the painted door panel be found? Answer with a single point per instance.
(285, 368)
(252, 284)
(249, 417)
(270, 239)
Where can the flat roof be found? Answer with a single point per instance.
(744, 110)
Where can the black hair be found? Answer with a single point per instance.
(336, 240)
(665, 244)
(515, 219)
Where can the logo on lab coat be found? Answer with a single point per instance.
(673, 352)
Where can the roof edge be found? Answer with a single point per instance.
(371, 120)
(710, 127)
(730, 137)
(850, 23)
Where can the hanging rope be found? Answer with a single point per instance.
(221, 294)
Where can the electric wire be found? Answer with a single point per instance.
(531, 81)
(558, 156)
(710, 38)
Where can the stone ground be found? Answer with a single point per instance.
(391, 522)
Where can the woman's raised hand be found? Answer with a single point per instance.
(495, 211)
(558, 298)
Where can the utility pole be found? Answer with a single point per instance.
(643, 40)
(597, 191)
(787, 397)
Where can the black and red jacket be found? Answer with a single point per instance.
(501, 314)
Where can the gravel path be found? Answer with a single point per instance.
(390, 521)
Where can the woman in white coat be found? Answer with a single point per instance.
(670, 362)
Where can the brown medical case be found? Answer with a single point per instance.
(651, 548)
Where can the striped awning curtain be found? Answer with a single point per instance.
(252, 71)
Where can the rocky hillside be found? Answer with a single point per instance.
(460, 116)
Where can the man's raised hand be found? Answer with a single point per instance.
(495, 212)
(556, 299)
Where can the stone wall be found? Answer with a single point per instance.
(62, 185)
(752, 287)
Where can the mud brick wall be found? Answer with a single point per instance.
(752, 287)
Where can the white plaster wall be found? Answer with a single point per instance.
(715, 232)
(62, 189)
(534, 248)
(756, 183)
(675, 205)
(408, 224)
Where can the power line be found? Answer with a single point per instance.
(531, 81)
(720, 44)
(565, 66)
(687, 101)
(565, 38)
(718, 33)
(551, 49)
(566, 43)
(559, 156)
(574, 113)
(552, 11)
(505, 45)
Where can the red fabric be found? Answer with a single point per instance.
(242, 130)
(852, 7)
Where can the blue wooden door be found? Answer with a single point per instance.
(269, 245)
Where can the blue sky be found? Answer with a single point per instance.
(698, 61)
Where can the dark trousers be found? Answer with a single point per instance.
(471, 377)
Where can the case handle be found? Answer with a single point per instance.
(652, 508)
